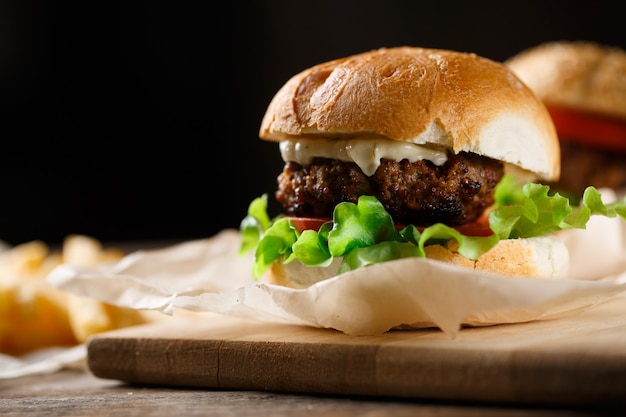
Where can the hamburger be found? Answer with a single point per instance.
(411, 151)
(583, 85)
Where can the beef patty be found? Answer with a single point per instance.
(419, 193)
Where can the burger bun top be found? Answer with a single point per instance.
(444, 99)
(577, 75)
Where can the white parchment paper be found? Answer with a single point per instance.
(208, 275)
(42, 361)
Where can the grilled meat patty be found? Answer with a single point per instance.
(419, 193)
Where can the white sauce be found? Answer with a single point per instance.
(366, 153)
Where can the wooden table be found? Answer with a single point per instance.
(78, 393)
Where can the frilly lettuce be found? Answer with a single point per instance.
(364, 233)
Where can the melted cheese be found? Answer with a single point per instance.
(366, 153)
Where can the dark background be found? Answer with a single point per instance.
(138, 120)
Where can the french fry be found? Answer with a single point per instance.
(33, 314)
(89, 316)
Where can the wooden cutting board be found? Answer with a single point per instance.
(580, 359)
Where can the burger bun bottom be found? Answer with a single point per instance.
(539, 257)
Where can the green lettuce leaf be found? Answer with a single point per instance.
(362, 234)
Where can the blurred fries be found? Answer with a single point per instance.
(33, 314)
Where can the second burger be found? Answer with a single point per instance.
(583, 85)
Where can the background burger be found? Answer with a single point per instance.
(409, 152)
(583, 85)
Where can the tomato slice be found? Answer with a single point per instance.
(478, 228)
(589, 129)
(308, 223)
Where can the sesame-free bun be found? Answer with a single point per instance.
(578, 75)
(447, 99)
(532, 258)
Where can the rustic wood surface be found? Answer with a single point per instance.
(72, 393)
(575, 360)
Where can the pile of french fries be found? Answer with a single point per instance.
(33, 314)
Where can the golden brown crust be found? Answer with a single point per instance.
(445, 98)
(575, 74)
(543, 257)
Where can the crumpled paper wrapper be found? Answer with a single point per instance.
(43, 361)
(208, 275)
